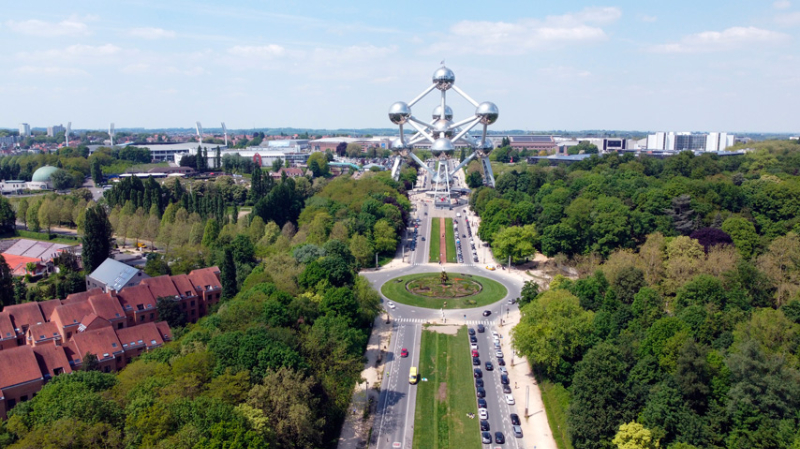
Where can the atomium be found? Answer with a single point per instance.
(442, 136)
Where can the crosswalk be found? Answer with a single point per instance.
(454, 321)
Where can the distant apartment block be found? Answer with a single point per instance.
(39, 340)
(683, 141)
(52, 131)
(24, 130)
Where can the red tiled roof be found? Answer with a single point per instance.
(101, 342)
(50, 358)
(82, 296)
(18, 365)
(18, 263)
(146, 334)
(138, 295)
(6, 328)
(71, 351)
(205, 277)
(42, 332)
(48, 307)
(183, 284)
(93, 321)
(74, 313)
(164, 329)
(27, 313)
(161, 287)
(107, 307)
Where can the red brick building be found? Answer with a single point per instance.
(39, 340)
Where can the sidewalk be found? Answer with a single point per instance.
(535, 428)
(356, 429)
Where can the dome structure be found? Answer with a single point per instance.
(43, 174)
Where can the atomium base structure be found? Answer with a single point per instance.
(443, 134)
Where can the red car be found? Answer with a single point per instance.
(404, 352)
(475, 353)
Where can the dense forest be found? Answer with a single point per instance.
(274, 366)
(683, 327)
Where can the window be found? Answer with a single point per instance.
(107, 369)
(23, 398)
(11, 403)
(139, 307)
(192, 303)
(119, 325)
(152, 316)
(141, 318)
(128, 360)
(69, 335)
(113, 345)
(57, 371)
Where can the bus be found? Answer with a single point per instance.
(412, 375)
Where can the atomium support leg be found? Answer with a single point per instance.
(488, 176)
(398, 161)
(422, 164)
(463, 163)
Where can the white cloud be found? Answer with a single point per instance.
(483, 37)
(649, 19)
(350, 54)
(788, 19)
(258, 51)
(50, 71)
(72, 52)
(731, 38)
(39, 28)
(562, 72)
(782, 4)
(151, 33)
(150, 69)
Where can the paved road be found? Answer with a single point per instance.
(395, 416)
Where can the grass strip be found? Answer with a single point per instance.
(434, 241)
(440, 418)
(395, 289)
(556, 402)
(451, 240)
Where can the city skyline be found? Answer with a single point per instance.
(719, 66)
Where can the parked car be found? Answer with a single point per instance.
(506, 389)
(517, 431)
(514, 419)
(485, 425)
(476, 361)
(509, 399)
(501, 361)
(504, 379)
(477, 373)
(478, 383)
(480, 392)
(483, 413)
(481, 403)
(486, 438)
(471, 331)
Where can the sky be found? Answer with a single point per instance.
(681, 65)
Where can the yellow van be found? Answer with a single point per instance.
(412, 375)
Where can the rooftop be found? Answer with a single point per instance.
(114, 274)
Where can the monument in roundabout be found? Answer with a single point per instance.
(443, 135)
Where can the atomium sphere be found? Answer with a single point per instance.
(397, 144)
(399, 113)
(487, 146)
(437, 112)
(442, 145)
(444, 78)
(487, 112)
(442, 128)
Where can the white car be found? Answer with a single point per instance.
(499, 354)
(483, 413)
(391, 305)
(495, 335)
(473, 346)
(509, 399)
(502, 369)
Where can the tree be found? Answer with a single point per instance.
(682, 214)
(277, 164)
(634, 436)
(384, 236)
(33, 216)
(61, 179)
(361, 249)
(97, 238)
(97, 173)
(443, 278)
(628, 282)
(90, 362)
(781, 263)
(743, 234)
(22, 211)
(6, 284)
(169, 311)
(210, 233)
(553, 328)
(530, 290)
(318, 164)
(8, 219)
(474, 180)
(228, 275)
(518, 242)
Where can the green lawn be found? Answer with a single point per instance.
(556, 401)
(434, 241)
(440, 418)
(451, 240)
(395, 289)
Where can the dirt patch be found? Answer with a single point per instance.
(449, 329)
(441, 395)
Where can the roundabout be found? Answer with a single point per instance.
(458, 291)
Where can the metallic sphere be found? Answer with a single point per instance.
(444, 78)
(399, 113)
(441, 145)
(442, 128)
(437, 112)
(487, 147)
(397, 144)
(487, 112)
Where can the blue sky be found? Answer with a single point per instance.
(686, 66)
